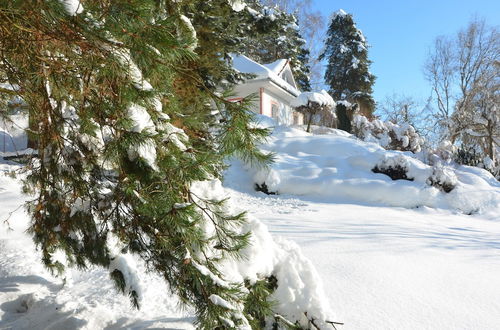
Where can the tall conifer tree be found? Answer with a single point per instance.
(347, 72)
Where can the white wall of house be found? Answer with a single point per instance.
(270, 100)
(276, 107)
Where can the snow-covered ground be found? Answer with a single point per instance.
(387, 259)
(413, 261)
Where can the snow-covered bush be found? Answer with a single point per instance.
(311, 104)
(492, 166)
(443, 178)
(444, 153)
(394, 167)
(391, 136)
(399, 168)
(467, 156)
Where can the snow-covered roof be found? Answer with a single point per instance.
(271, 71)
(277, 66)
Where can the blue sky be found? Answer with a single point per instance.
(401, 32)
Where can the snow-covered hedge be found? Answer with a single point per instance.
(389, 135)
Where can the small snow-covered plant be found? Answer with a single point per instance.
(313, 103)
(396, 167)
(492, 166)
(404, 137)
(467, 156)
(370, 130)
(443, 153)
(443, 177)
(389, 135)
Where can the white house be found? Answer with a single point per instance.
(274, 86)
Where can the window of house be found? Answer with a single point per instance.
(274, 110)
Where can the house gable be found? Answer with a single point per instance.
(287, 76)
(274, 85)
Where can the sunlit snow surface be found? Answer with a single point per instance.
(382, 266)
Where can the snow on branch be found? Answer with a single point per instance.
(387, 134)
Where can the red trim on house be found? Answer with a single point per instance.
(235, 99)
(261, 92)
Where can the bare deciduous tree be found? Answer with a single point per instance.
(399, 108)
(464, 72)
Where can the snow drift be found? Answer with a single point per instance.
(338, 167)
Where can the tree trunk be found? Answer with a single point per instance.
(32, 127)
(308, 130)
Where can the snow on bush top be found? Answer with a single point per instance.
(322, 98)
(339, 168)
(389, 135)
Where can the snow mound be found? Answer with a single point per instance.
(299, 288)
(338, 168)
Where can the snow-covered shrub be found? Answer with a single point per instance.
(467, 156)
(443, 178)
(394, 167)
(389, 135)
(443, 153)
(264, 188)
(312, 103)
(492, 166)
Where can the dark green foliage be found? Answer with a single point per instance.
(347, 73)
(121, 284)
(258, 292)
(263, 188)
(261, 33)
(102, 175)
(344, 117)
(279, 38)
(467, 156)
(396, 172)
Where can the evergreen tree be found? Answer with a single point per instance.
(347, 72)
(278, 37)
(262, 33)
(124, 130)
